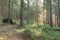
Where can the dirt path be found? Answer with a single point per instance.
(10, 37)
(7, 32)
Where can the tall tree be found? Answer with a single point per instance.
(50, 22)
(2, 7)
(9, 11)
(37, 12)
(43, 12)
(28, 11)
(21, 12)
(58, 13)
(47, 7)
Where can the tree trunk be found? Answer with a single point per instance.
(50, 22)
(9, 11)
(21, 12)
(37, 12)
(43, 13)
(28, 12)
(58, 14)
(2, 7)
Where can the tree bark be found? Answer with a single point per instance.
(28, 12)
(37, 12)
(50, 22)
(58, 14)
(9, 10)
(21, 12)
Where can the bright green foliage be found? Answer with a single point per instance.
(43, 32)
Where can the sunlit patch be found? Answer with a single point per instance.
(1, 38)
(33, 24)
(25, 1)
(38, 32)
(4, 37)
(19, 30)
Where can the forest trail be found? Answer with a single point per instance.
(7, 32)
(10, 37)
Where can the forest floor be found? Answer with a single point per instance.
(7, 32)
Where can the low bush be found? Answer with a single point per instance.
(42, 32)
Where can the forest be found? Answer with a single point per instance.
(29, 19)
